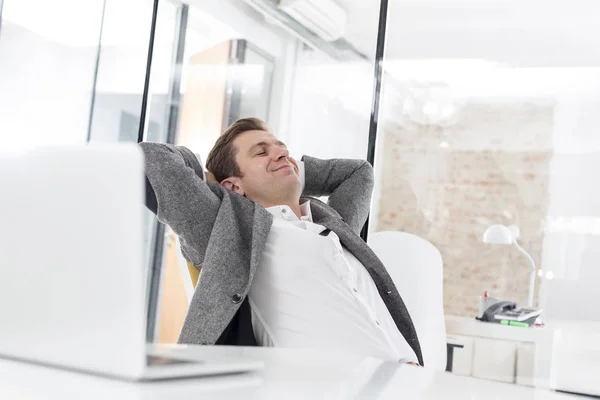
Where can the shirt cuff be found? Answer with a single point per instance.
(408, 360)
(200, 162)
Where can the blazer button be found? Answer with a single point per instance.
(236, 298)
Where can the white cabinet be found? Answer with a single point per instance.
(496, 352)
(462, 361)
(526, 364)
(495, 359)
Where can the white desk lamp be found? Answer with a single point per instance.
(500, 234)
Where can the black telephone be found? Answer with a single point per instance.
(496, 308)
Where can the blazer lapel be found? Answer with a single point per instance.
(329, 218)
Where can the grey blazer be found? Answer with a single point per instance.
(224, 233)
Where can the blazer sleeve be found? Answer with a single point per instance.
(178, 195)
(348, 183)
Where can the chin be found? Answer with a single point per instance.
(292, 178)
(290, 183)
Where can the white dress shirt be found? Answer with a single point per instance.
(310, 292)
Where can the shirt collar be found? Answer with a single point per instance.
(285, 213)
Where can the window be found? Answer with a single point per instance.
(47, 70)
(484, 123)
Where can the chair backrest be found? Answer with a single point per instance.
(416, 268)
(189, 273)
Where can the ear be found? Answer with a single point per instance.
(234, 184)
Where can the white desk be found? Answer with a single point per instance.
(471, 327)
(288, 374)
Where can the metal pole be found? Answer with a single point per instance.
(378, 75)
(176, 74)
(148, 69)
(173, 118)
(96, 68)
(1, 6)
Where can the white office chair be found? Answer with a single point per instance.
(416, 268)
(184, 270)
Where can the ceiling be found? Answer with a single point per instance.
(125, 22)
(524, 33)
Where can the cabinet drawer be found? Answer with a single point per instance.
(495, 359)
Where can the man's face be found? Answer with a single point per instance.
(270, 175)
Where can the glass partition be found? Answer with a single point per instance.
(47, 70)
(122, 68)
(250, 58)
(485, 133)
(487, 146)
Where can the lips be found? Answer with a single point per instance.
(281, 167)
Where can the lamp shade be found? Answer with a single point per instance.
(498, 234)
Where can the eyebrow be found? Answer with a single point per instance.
(255, 147)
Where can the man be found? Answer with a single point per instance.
(278, 270)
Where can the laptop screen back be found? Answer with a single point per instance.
(72, 281)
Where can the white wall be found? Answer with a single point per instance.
(233, 19)
(45, 89)
(108, 110)
(524, 33)
(571, 253)
(331, 107)
(319, 106)
(47, 70)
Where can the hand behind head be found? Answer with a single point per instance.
(210, 178)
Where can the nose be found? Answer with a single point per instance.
(279, 153)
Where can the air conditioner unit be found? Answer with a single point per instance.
(323, 17)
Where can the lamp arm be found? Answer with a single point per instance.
(526, 254)
(532, 277)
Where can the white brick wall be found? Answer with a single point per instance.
(494, 170)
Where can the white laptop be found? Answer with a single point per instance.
(72, 274)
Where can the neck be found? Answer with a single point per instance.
(293, 204)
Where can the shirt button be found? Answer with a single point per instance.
(377, 322)
(236, 298)
(355, 290)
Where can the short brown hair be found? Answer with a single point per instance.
(221, 159)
